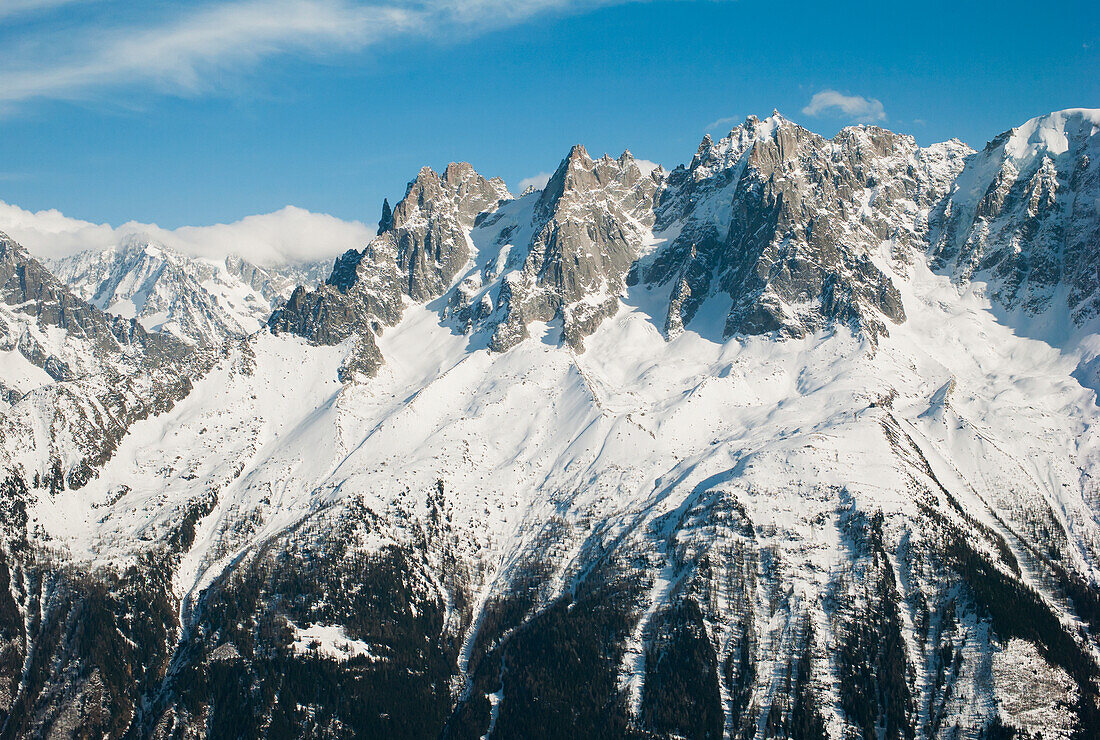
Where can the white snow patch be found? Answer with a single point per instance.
(328, 640)
(1035, 697)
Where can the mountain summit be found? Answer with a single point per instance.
(798, 440)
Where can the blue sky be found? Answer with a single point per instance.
(201, 112)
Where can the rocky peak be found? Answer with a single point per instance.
(788, 224)
(360, 297)
(386, 222)
(579, 178)
(276, 284)
(422, 245)
(785, 223)
(715, 158)
(345, 271)
(32, 290)
(775, 137)
(430, 225)
(472, 194)
(575, 171)
(29, 288)
(459, 193)
(589, 229)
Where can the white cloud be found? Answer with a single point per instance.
(538, 182)
(184, 54)
(198, 48)
(646, 166)
(855, 107)
(287, 235)
(724, 123)
(51, 233)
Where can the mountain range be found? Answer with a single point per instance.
(796, 440)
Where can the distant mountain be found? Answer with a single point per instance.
(196, 299)
(796, 440)
(75, 378)
(1023, 216)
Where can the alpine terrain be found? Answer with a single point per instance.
(197, 300)
(798, 440)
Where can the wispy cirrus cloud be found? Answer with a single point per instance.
(855, 107)
(724, 123)
(186, 54)
(195, 49)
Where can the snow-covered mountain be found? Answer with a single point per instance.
(1023, 219)
(797, 440)
(198, 300)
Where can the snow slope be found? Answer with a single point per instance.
(627, 441)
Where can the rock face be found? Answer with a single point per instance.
(577, 240)
(756, 448)
(276, 284)
(360, 297)
(788, 225)
(431, 223)
(589, 225)
(418, 254)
